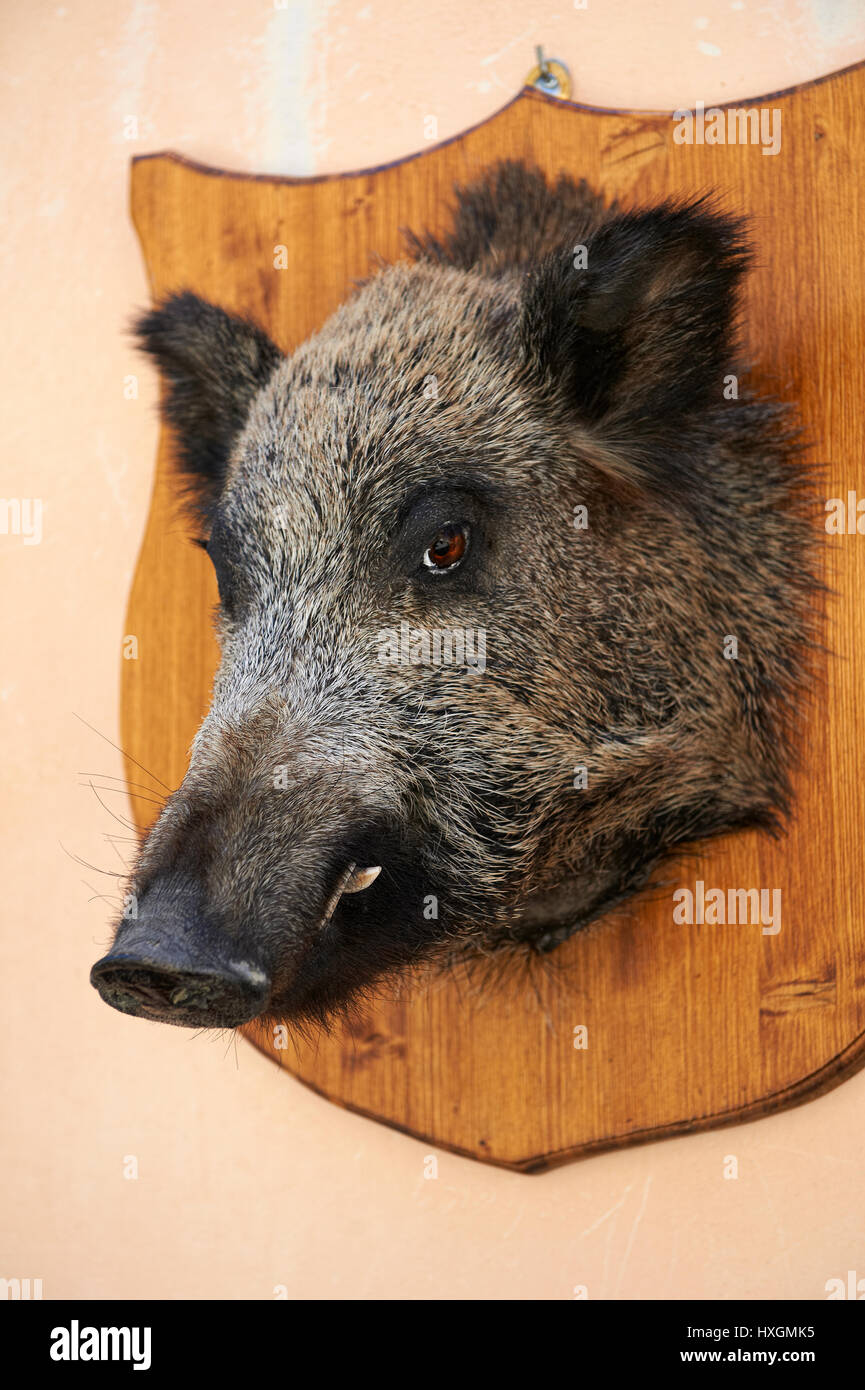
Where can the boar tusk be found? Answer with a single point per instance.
(354, 880)
(361, 878)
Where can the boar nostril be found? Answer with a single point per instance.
(156, 989)
(181, 996)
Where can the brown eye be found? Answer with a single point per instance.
(447, 550)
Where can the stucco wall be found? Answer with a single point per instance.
(247, 1180)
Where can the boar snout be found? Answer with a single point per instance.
(251, 905)
(169, 965)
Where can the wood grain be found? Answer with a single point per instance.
(688, 1027)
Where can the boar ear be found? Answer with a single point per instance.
(212, 365)
(635, 333)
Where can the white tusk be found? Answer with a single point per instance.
(361, 878)
(354, 880)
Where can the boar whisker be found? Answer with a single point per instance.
(121, 820)
(112, 841)
(101, 897)
(126, 755)
(138, 796)
(109, 777)
(111, 873)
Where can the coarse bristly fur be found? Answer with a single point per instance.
(322, 478)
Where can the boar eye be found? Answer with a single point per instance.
(447, 550)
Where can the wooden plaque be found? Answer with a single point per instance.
(688, 1027)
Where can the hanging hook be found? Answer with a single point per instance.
(549, 75)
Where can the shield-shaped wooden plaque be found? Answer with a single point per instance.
(687, 1027)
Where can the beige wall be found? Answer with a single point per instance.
(246, 1179)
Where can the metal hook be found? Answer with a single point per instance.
(549, 75)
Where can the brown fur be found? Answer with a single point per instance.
(322, 477)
